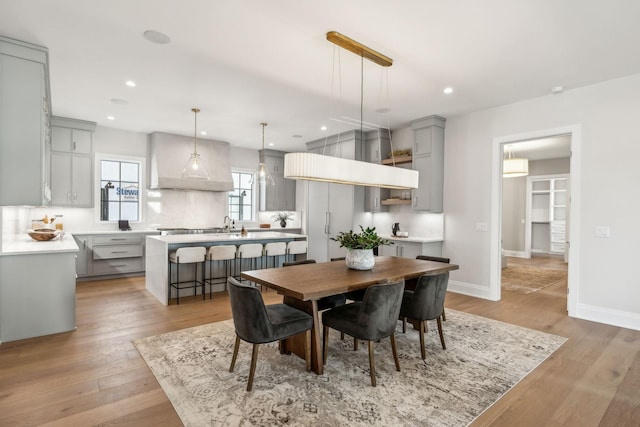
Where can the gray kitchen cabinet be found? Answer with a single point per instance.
(82, 258)
(428, 160)
(72, 162)
(282, 195)
(376, 147)
(111, 255)
(24, 124)
(68, 140)
(37, 295)
(410, 249)
(332, 208)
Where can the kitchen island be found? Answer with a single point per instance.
(158, 249)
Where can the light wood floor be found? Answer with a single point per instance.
(95, 376)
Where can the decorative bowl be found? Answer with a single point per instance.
(43, 234)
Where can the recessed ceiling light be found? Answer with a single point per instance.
(203, 132)
(111, 118)
(156, 37)
(448, 90)
(271, 144)
(119, 101)
(323, 128)
(130, 83)
(557, 89)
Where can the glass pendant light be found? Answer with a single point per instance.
(194, 168)
(261, 174)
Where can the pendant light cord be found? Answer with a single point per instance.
(195, 129)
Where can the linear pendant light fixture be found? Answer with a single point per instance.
(261, 173)
(318, 167)
(194, 168)
(513, 167)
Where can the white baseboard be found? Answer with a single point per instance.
(470, 289)
(623, 319)
(516, 254)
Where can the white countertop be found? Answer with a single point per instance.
(226, 237)
(22, 244)
(143, 231)
(413, 239)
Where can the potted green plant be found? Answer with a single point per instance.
(360, 247)
(282, 218)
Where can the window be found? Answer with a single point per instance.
(119, 190)
(241, 198)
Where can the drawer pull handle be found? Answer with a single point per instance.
(119, 252)
(119, 265)
(114, 239)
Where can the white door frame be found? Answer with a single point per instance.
(574, 220)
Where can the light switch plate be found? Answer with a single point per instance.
(603, 231)
(482, 226)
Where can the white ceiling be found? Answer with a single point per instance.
(244, 62)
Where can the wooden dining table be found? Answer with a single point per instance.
(303, 285)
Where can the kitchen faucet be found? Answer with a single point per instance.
(227, 224)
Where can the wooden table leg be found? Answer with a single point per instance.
(297, 343)
(316, 344)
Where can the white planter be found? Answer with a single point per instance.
(360, 259)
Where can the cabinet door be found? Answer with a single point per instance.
(389, 250)
(21, 131)
(60, 179)
(423, 141)
(317, 219)
(81, 142)
(422, 195)
(341, 215)
(82, 181)
(61, 139)
(274, 164)
(372, 198)
(82, 258)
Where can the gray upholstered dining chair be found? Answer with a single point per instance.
(410, 284)
(424, 303)
(326, 302)
(258, 323)
(373, 318)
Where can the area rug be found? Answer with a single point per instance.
(483, 360)
(526, 280)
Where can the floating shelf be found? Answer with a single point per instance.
(399, 160)
(395, 202)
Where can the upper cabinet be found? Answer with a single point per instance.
(72, 162)
(25, 107)
(282, 195)
(376, 148)
(428, 160)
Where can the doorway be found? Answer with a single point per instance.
(567, 139)
(535, 214)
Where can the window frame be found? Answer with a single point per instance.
(254, 198)
(141, 161)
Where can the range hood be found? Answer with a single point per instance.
(168, 152)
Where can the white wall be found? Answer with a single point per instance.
(609, 176)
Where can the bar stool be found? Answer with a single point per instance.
(188, 255)
(274, 249)
(249, 251)
(226, 254)
(296, 247)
